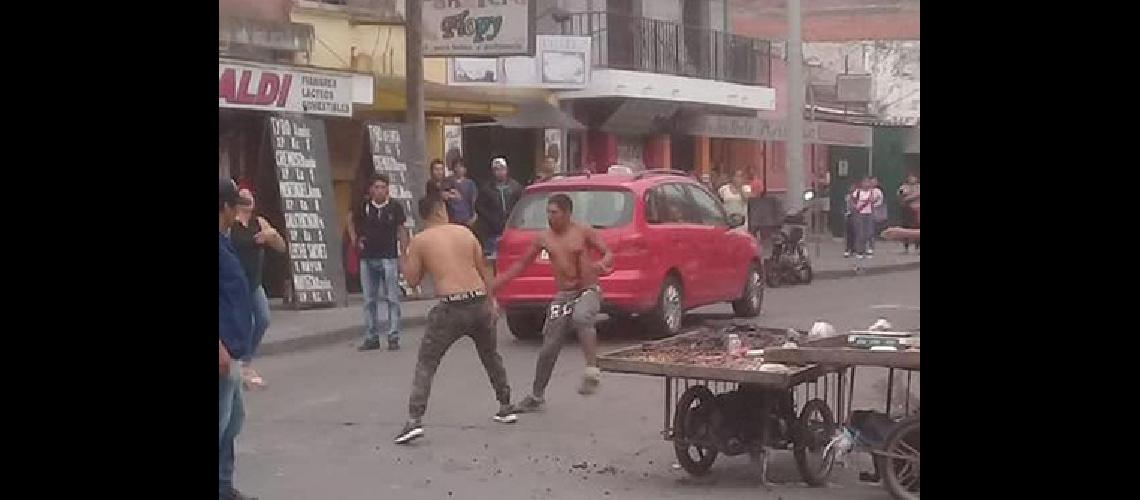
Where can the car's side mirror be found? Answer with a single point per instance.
(735, 221)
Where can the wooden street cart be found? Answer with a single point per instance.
(734, 404)
(896, 453)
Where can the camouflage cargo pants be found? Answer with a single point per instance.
(447, 323)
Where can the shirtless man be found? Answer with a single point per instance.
(454, 258)
(578, 299)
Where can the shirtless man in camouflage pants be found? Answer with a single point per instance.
(454, 258)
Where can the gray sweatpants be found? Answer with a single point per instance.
(574, 311)
(447, 323)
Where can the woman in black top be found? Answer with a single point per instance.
(250, 235)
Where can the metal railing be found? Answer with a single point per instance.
(640, 44)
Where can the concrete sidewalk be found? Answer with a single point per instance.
(291, 330)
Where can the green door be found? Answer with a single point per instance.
(891, 166)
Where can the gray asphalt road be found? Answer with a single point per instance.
(324, 427)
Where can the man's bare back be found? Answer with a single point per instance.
(451, 254)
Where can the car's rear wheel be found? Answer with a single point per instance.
(526, 325)
(665, 319)
(750, 303)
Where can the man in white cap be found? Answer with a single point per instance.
(494, 204)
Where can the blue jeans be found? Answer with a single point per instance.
(260, 321)
(864, 232)
(491, 246)
(380, 279)
(231, 413)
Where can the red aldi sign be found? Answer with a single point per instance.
(244, 85)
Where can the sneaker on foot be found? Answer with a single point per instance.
(506, 415)
(859, 256)
(234, 494)
(870, 251)
(393, 344)
(412, 430)
(846, 255)
(529, 404)
(589, 385)
(369, 345)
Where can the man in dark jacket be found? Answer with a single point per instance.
(235, 338)
(494, 204)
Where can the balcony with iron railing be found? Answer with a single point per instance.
(655, 46)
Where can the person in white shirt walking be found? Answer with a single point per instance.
(879, 214)
(733, 195)
(863, 202)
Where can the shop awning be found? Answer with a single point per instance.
(442, 99)
(539, 114)
(912, 142)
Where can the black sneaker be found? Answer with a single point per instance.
(393, 344)
(529, 404)
(369, 345)
(412, 430)
(234, 494)
(506, 415)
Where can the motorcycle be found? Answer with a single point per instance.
(789, 262)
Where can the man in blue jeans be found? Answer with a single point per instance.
(377, 229)
(235, 335)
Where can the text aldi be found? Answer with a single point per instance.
(244, 85)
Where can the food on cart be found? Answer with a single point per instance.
(880, 325)
(739, 348)
(821, 329)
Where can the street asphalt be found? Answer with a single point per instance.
(323, 428)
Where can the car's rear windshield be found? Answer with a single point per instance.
(600, 209)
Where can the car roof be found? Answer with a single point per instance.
(634, 182)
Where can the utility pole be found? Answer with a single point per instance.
(414, 106)
(414, 85)
(795, 162)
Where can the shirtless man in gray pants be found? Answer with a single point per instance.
(578, 300)
(455, 260)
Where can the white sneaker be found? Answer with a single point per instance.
(846, 255)
(859, 256)
(870, 251)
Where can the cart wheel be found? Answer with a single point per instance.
(806, 274)
(898, 462)
(692, 422)
(814, 429)
(772, 274)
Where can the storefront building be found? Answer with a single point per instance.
(654, 64)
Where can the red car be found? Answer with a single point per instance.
(674, 249)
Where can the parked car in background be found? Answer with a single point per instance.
(673, 248)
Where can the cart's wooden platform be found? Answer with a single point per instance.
(618, 362)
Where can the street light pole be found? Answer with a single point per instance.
(795, 161)
(414, 85)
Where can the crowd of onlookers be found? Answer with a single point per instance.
(865, 211)
(866, 214)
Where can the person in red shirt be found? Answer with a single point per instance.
(756, 187)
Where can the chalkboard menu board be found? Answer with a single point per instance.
(304, 179)
(386, 145)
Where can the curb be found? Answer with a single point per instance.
(322, 339)
(866, 271)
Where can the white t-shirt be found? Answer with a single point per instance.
(868, 199)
